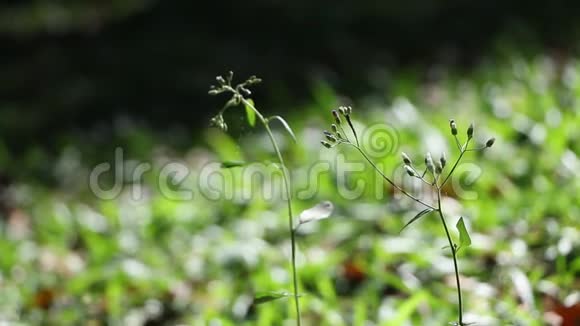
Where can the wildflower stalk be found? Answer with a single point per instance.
(453, 254)
(435, 170)
(238, 97)
(288, 191)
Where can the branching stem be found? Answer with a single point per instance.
(288, 191)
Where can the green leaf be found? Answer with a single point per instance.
(285, 125)
(320, 211)
(464, 239)
(250, 113)
(232, 164)
(270, 297)
(418, 216)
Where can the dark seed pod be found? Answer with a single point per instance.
(409, 171)
(443, 160)
(470, 131)
(453, 127)
(336, 117)
(406, 159)
(429, 162)
(490, 142)
(325, 144)
(438, 168)
(334, 128)
(331, 138)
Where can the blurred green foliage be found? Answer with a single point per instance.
(70, 258)
(68, 65)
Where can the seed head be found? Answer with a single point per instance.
(470, 131)
(409, 171)
(246, 91)
(490, 142)
(325, 144)
(336, 117)
(406, 159)
(438, 167)
(331, 138)
(429, 162)
(453, 127)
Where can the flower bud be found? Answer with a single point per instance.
(429, 162)
(246, 91)
(220, 79)
(219, 122)
(490, 142)
(331, 138)
(339, 135)
(336, 117)
(334, 128)
(438, 167)
(443, 160)
(453, 127)
(348, 110)
(406, 159)
(325, 144)
(342, 110)
(470, 131)
(409, 171)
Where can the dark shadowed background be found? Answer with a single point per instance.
(72, 64)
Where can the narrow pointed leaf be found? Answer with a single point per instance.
(464, 238)
(285, 125)
(232, 164)
(318, 212)
(260, 299)
(250, 113)
(418, 216)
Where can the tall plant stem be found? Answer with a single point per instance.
(288, 191)
(454, 255)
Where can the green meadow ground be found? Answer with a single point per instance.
(70, 258)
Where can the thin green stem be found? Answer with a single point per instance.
(457, 142)
(389, 180)
(462, 151)
(353, 129)
(288, 191)
(454, 255)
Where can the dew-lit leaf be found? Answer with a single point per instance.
(318, 212)
(464, 238)
(418, 216)
(285, 125)
(250, 113)
(264, 298)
